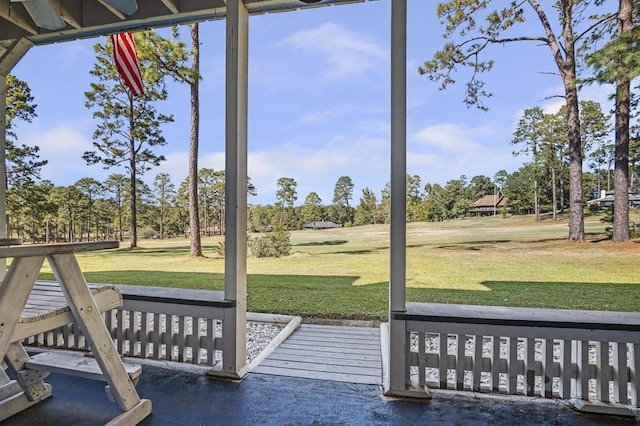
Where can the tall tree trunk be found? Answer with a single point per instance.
(536, 200)
(562, 196)
(622, 110)
(568, 72)
(576, 202)
(554, 193)
(567, 67)
(195, 246)
(133, 194)
(89, 222)
(120, 227)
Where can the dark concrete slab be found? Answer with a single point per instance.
(188, 399)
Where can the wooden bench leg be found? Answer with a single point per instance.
(134, 415)
(90, 322)
(28, 390)
(17, 403)
(31, 381)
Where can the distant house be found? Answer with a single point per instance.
(488, 205)
(606, 199)
(322, 224)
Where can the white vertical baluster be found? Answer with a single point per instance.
(547, 368)
(195, 346)
(565, 369)
(495, 364)
(443, 360)
(155, 336)
(530, 366)
(620, 373)
(180, 340)
(422, 359)
(602, 371)
(512, 365)
(477, 363)
(461, 341)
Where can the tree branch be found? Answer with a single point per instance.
(597, 23)
(545, 40)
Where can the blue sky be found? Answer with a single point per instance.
(318, 103)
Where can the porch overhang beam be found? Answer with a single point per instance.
(90, 18)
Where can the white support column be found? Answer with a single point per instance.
(7, 61)
(399, 380)
(235, 278)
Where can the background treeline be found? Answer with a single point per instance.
(94, 210)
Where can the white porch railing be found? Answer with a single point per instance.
(592, 356)
(157, 323)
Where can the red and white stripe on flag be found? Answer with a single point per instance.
(126, 58)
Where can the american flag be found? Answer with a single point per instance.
(124, 53)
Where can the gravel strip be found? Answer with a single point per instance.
(259, 335)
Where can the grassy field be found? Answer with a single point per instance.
(343, 273)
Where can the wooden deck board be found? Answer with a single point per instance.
(336, 334)
(317, 366)
(338, 331)
(327, 348)
(319, 375)
(297, 352)
(335, 343)
(337, 360)
(335, 353)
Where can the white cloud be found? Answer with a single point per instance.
(63, 146)
(60, 141)
(442, 152)
(346, 53)
(551, 107)
(176, 165)
(451, 137)
(364, 159)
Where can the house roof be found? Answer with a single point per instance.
(490, 201)
(51, 21)
(322, 224)
(609, 198)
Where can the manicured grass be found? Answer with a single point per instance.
(343, 273)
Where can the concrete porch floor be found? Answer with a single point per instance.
(186, 398)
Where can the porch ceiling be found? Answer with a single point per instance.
(76, 19)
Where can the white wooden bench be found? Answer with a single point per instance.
(30, 308)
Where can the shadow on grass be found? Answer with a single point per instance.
(172, 250)
(322, 243)
(481, 244)
(334, 296)
(320, 296)
(556, 295)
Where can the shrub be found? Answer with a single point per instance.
(146, 232)
(219, 248)
(275, 243)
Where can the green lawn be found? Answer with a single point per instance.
(343, 273)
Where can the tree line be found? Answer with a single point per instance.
(93, 210)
